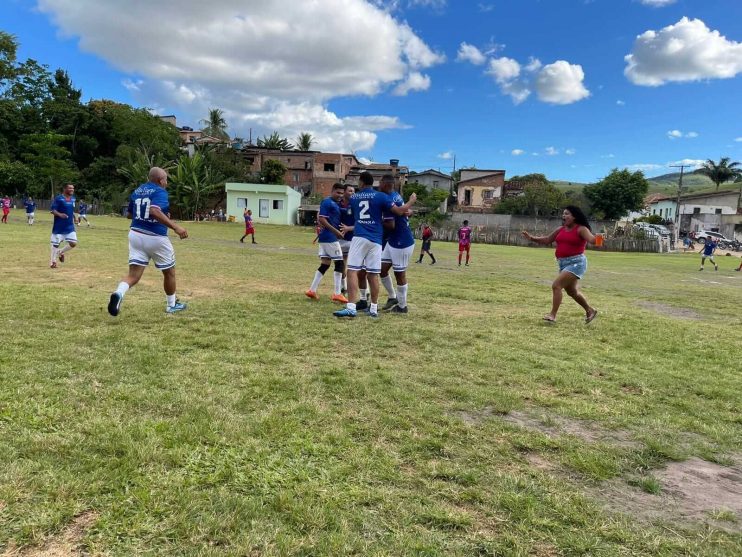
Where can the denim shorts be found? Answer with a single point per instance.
(577, 265)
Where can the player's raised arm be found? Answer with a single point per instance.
(544, 240)
(402, 210)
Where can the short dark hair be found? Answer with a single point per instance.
(466, 223)
(579, 215)
(387, 179)
(338, 186)
(366, 178)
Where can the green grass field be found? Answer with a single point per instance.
(255, 424)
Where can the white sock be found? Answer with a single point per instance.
(170, 300)
(351, 306)
(315, 283)
(338, 277)
(387, 282)
(122, 288)
(363, 292)
(402, 295)
(345, 283)
(54, 254)
(374, 308)
(65, 249)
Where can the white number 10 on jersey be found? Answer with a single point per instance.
(142, 210)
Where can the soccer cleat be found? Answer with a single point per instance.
(397, 309)
(701, 269)
(339, 298)
(311, 294)
(362, 305)
(179, 306)
(373, 314)
(716, 267)
(114, 304)
(390, 303)
(61, 258)
(53, 265)
(349, 313)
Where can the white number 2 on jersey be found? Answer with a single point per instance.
(363, 215)
(142, 210)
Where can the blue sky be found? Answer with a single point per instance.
(540, 85)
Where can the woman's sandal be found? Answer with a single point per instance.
(549, 319)
(591, 316)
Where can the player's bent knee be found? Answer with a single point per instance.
(339, 266)
(323, 268)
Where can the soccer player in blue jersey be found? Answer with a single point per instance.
(329, 245)
(82, 212)
(397, 251)
(63, 229)
(30, 205)
(365, 249)
(148, 208)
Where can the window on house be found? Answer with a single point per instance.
(718, 211)
(654, 211)
(435, 183)
(306, 165)
(696, 210)
(242, 202)
(488, 194)
(329, 167)
(278, 205)
(296, 176)
(263, 210)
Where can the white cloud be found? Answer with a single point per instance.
(686, 51)
(657, 3)
(517, 152)
(738, 139)
(447, 156)
(608, 156)
(414, 82)
(570, 152)
(261, 62)
(620, 103)
(695, 163)
(470, 53)
(534, 64)
(551, 151)
(561, 83)
(677, 134)
(503, 69)
(644, 167)
(485, 7)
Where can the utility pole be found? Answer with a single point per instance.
(682, 168)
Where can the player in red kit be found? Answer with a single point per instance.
(464, 241)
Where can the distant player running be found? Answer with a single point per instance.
(708, 252)
(249, 229)
(83, 213)
(5, 202)
(63, 229)
(148, 208)
(464, 241)
(427, 241)
(397, 253)
(365, 248)
(329, 245)
(30, 210)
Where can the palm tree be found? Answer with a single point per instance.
(194, 180)
(721, 172)
(275, 141)
(304, 141)
(215, 125)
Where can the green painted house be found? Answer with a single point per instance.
(270, 204)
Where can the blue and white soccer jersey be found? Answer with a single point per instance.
(400, 244)
(346, 218)
(329, 246)
(365, 248)
(148, 237)
(63, 229)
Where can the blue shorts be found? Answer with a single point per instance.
(577, 265)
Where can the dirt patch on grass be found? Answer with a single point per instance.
(553, 425)
(68, 543)
(691, 491)
(670, 311)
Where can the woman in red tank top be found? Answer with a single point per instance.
(571, 239)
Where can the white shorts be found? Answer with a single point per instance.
(398, 257)
(331, 250)
(30, 215)
(364, 255)
(143, 247)
(70, 238)
(344, 246)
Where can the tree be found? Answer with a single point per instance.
(16, 177)
(8, 51)
(272, 172)
(618, 193)
(136, 168)
(722, 172)
(275, 141)
(304, 141)
(49, 161)
(194, 180)
(215, 124)
(540, 198)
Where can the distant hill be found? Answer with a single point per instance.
(665, 184)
